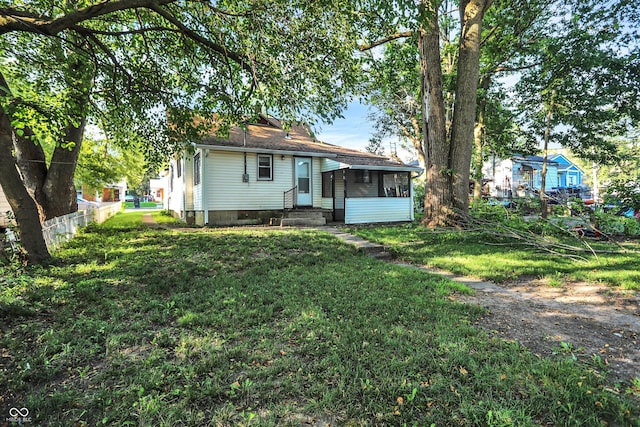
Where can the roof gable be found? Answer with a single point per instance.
(565, 163)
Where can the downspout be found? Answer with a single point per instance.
(245, 177)
(412, 207)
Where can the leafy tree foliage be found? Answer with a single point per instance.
(101, 164)
(579, 97)
(141, 70)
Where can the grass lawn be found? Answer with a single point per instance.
(265, 327)
(143, 205)
(485, 256)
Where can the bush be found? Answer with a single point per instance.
(611, 224)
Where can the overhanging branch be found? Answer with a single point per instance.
(395, 36)
(223, 51)
(12, 19)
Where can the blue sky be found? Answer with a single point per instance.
(353, 131)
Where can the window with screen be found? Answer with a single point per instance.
(265, 167)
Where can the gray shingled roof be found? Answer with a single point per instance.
(272, 137)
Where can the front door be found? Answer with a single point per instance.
(303, 180)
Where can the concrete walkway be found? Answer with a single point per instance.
(374, 249)
(379, 251)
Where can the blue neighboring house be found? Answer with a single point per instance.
(519, 175)
(569, 174)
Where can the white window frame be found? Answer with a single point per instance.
(269, 168)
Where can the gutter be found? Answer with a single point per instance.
(266, 151)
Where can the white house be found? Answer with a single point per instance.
(266, 173)
(4, 209)
(158, 188)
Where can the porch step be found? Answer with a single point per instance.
(303, 217)
(304, 213)
(288, 222)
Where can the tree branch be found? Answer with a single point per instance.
(16, 20)
(236, 57)
(395, 36)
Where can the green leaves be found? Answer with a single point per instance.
(296, 58)
(590, 86)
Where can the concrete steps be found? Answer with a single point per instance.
(303, 217)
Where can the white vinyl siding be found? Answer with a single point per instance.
(176, 185)
(327, 165)
(339, 194)
(327, 203)
(378, 209)
(316, 182)
(226, 190)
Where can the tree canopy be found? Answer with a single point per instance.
(142, 70)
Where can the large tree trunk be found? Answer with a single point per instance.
(478, 139)
(449, 161)
(438, 192)
(24, 207)
(59, 188)
(53, 187)
(464, 115)
(35, 192)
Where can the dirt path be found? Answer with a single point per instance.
(588, 321)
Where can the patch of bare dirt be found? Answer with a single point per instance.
(589, 321)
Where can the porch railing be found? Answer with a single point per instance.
(289, 198)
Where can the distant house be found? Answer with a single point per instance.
(569, 174)
(519, 176)
(157, 187)
(259, 174)
(4, 209)
(113, 192)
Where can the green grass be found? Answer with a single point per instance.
(484, 256)
(143, 205)
(140, 326)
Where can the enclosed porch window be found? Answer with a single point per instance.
(394, 184)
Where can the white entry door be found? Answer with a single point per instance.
(303, 180)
